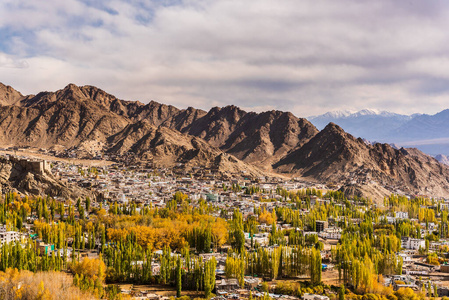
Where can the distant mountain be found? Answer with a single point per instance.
(442, 159)
(370, 124)
(227, 139)
(429, 133)
(424, 127)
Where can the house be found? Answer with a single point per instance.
(227, 285)
(411, 243)
(401, 215)
(321, 225)
(314, 297)
(251, 282)
(9, 236)
(442, 291)
(44, 249)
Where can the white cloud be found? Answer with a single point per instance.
(302, 56)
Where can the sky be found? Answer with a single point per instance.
(307, 57)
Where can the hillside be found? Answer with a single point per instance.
(227, 139)
(336, 156)
(166, 147)
(29, 177)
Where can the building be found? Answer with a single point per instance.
(444, 269)
(227, 285)
(411, 243)
(321, 225)
(401, 215)
(314, 297)
(44, 249)
(442, 291)
(251, 282)
(8, 236)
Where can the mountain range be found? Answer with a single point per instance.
(429, 133)
(227, 139)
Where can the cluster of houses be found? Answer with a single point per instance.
(150, 186)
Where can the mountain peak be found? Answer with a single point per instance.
(332, 127)
(8, 95)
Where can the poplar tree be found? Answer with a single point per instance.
(178, 277)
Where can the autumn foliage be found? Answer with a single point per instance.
(16, 284)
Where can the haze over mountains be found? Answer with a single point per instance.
(429, 133)
(224, 138)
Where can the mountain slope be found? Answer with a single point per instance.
(167, 147)
(256, 138)
(227, 139)
(62, 118)
(424, 127)
(9, 96)
(75, 115)
(336, 156)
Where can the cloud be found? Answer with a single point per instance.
(8, 62)
(302, 56)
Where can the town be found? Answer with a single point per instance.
(240, 219)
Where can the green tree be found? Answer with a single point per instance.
(341, 293)
(178, 277)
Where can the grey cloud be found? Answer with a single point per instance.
(291, 55)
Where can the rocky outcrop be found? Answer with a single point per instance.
(35, 177)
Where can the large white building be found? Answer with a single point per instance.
(8, 236)
(411, 243)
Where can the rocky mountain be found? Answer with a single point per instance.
(256, 138)
(227, 139)
(336, 156)
(8, 95)
(28, 177)
(74, 115)
(167, 147)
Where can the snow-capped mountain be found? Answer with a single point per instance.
(429, 133)
(442, 159)
(368, 123)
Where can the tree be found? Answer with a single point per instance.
(341, 293)
(87, 204)
(236, 234)
(178, 278)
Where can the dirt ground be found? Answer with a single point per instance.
(330, 277)
(162, 290)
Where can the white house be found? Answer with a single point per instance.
(411, 243)
(314, 297)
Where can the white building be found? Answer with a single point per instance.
(411, 243)
(9, 236)
(330, 233)
(401, 215)
(314, 297)
(406, 259)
